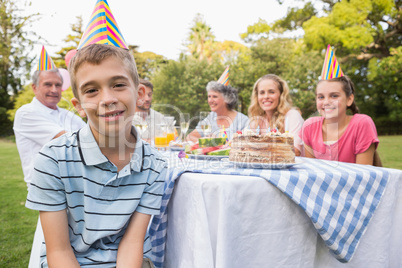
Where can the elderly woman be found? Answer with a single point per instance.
(271, 105)
(222, 100)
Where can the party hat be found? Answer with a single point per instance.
(102, 28)
(45, 61)
(224, 79)
(331, 68)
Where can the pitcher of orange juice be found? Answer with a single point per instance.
(170, 134)
(160, 139)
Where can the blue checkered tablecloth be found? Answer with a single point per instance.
(339, 198)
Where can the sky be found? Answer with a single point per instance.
(159, 26)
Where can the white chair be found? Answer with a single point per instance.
(34, 260)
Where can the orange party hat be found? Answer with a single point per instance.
(331, 68)
(45, 61)
(102, 28)
(224, 79)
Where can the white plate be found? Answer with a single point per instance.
(266, 165)
(207, 157)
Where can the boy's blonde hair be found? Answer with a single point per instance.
(96, 54)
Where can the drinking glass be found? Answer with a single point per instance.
(184, 125)
(141, 121)
(205, 124)
(169, 120)
(177, 138)
(169, 127)
(170, 134)
(160, 139)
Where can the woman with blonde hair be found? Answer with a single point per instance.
(271, 108)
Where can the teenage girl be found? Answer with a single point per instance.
(336, 135)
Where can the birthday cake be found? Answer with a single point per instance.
(271, 148)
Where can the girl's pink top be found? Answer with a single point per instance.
(357, 138)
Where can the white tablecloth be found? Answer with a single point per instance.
(244, 221)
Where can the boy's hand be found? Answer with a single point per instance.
(130, 252)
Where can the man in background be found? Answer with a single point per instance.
(42, 120)
(144, 105)
(38, 122)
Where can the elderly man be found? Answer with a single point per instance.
(42, 120)
(37, 123)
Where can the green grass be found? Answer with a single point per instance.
(390, 151)
(17, 223)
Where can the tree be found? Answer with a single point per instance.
(293, 21)
(386, 75)
(363, 29)
(201, 39)
(180, 86)
(364, 32)
(261, 29)
(229, 52)
(147, 62)
(366, 35)
(15, 62)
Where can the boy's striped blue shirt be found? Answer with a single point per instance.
(72, 173)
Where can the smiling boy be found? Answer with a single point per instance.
(96, 189)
